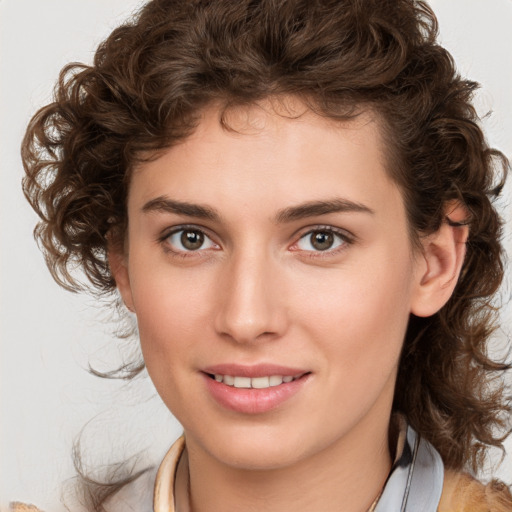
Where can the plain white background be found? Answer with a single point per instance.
(48, 336)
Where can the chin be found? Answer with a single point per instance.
(263, 446)
(264, 456)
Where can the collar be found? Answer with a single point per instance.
(163, 496)
(414, 484)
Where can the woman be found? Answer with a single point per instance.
(293, 198)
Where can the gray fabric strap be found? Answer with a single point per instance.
(416, 480)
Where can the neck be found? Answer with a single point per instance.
(350, 473)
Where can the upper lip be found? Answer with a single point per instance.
(256, 370)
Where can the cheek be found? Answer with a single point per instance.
(171, 328)
(359, 317)
(171, 311)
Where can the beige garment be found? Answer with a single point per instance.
(463, 493)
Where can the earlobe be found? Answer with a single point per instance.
(119, 269)
(440, 263)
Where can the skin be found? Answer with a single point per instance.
(258, 291)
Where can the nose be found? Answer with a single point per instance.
(250, 302)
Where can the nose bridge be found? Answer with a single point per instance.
(249, 307)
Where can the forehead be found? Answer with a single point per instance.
(273, 119)
(271, 153)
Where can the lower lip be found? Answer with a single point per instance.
(253, 401)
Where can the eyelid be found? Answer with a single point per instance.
(168, 232)
(347, 237)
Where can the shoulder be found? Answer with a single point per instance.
(16, 506)
(463, 493)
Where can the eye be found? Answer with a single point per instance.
(321, 240)
(189, 239)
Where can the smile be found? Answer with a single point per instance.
(254, 389)
(254, 382)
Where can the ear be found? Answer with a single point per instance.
(119, 267)
(440, 262)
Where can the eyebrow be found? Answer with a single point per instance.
(165, 205)
(314, 208)
(289, 214)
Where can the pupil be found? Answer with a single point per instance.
(192, 240)
(322, 240)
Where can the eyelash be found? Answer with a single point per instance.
(345, 239)
(183, 253)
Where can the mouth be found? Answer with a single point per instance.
(254, 389)
(263, 382)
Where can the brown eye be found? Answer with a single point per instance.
(322, 240)
(192, 240)
(189, 240)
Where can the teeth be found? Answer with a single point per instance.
(230, 381)
(242, 382)
(260, 382)
(275, 380)
(254, 382)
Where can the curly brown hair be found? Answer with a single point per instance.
(152, 77)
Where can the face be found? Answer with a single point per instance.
(272, 277)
